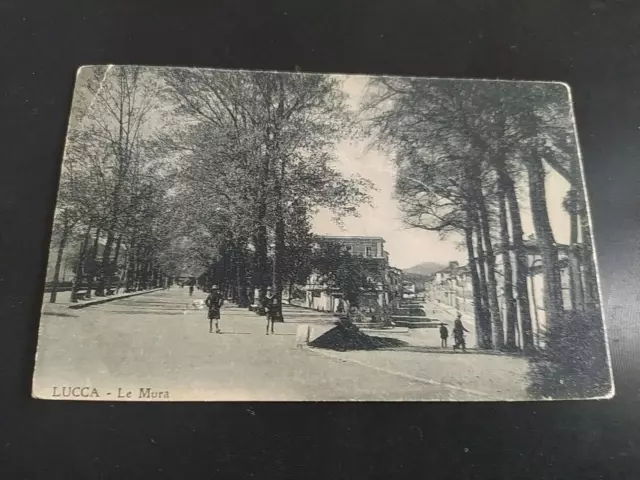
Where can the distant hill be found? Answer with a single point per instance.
(424, 269)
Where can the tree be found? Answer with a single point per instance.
(275, 133)
(123, 98)
(351, 275)
(427, 129)
(535, 121)
(66, 227)
(103, 167)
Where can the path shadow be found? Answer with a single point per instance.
(59, 314)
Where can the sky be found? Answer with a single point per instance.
(409, 247)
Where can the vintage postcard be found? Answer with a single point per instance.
(263, 236)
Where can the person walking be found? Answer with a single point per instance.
(458, 334)
(214, 303)
(272, 312)
(444, 335)
(191, 290)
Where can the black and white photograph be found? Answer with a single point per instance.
(233, 235)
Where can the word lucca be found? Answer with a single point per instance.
(121, 394)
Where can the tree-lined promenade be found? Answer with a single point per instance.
(219, 174)
(206, 171)
(465, 153)
(151, 337)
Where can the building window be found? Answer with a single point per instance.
(368, 251)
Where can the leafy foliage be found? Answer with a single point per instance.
(354, 276)
(464, 150)
(574, 364)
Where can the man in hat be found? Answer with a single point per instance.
(214, 301)
(458, 334)
(272, 311)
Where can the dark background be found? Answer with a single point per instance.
(592, 45)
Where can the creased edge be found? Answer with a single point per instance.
(78, 111)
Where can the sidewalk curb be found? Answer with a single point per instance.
(110, 299)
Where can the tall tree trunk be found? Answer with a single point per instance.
(573, 176)
(482, 277)
(124, 278)
(536, 314)
(104, 266)
(225, 271)
(279, 253)
(113, 265)
(154, 275)
(132, 268)
(546, 241)
(137, 273)
(261, 238)
(241, 260)
(384, 307)
(146, 273)
(591, 295)
(56, 270)
(575, 267)
(140, 270)
(522, 265)
(575, 252)
(482, 336)
(231, 279)
(278, 257)
(494, 305)
(79, 271)
(511, 316)
(233, 273)
(92, 263)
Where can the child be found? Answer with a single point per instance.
(444, 335)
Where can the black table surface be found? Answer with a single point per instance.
(593, 45)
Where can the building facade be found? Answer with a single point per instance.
(452, 286)
(368, 247)
(387, 283)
